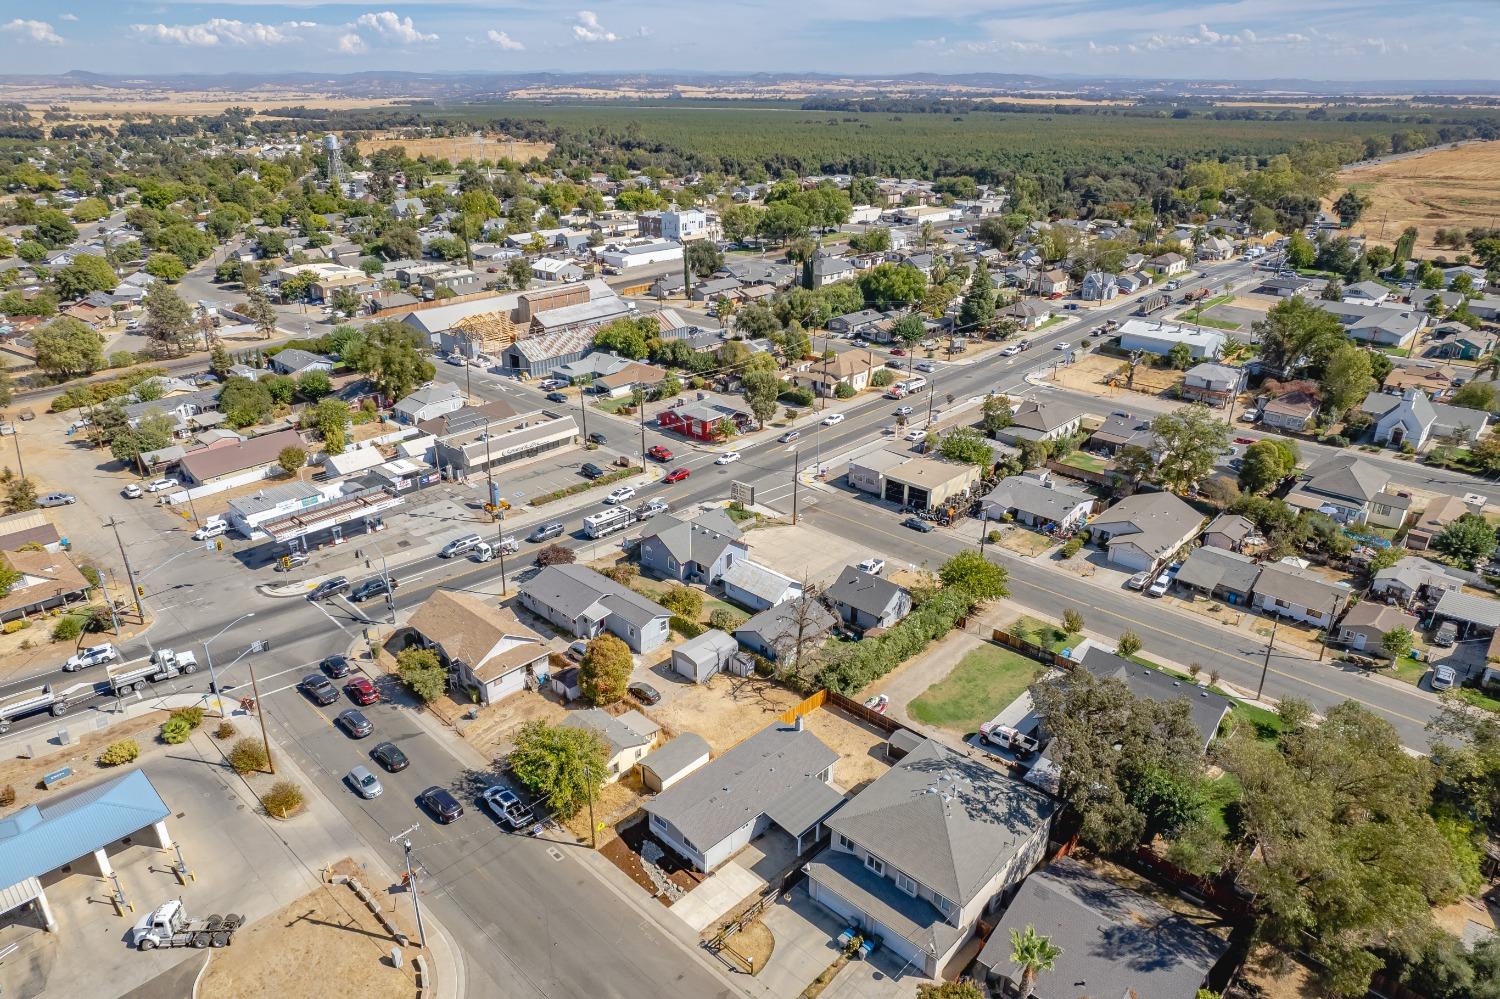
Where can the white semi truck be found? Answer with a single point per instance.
(163, 664)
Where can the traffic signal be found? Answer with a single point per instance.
(219, 544)
(140, 591)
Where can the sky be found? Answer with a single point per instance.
(1208, 39)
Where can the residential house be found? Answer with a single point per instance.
(1228, 531)
(28, 527)
(1099, 286)
(238, 464)
(1380, 325)
(1411, 419)
(1206, 709)
(1219, 573)
(673, 760)
(853, 367)
(1109, 936)
(623, 382)
(1414, 578)
(786, 630)
(431, 401)
(1169, 264)
(485, 647)
(1288, 591)
(1215, 384)
(692, 551)
(1366, 293)
(755, 587)
(1144, 530)
(866, 601)
(1031, 314)
(1434, 381)
(1052, 283)
(1294, 411)
(699, 658)
(781, 777)
(1365, 626)
(1034, 420)
(1037, 500)
(45, 580)
(932, 846)
(295, 361)
(716, 288)
(1343, 487)
(556, 269)
(1121, 430)
(1215, 248)
(1284, 286)
(855, 322)
(1132, 282)
(827, 269)
(629, 737)
(586, 604)
(1455, 341)
(1156, 337)
(1439, 514)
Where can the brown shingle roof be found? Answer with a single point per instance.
(50, 575)
(471, 629)
(212, 463)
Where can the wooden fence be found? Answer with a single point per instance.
(402, 310)
(810, 704)
(1032, 651)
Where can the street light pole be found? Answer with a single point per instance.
(411, 882)
(208, 656)
(135, 592)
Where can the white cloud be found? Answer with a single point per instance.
(351, 44)
(387, 24)
(1207, 38)
(37, 31)
(67, 17)
(222, 31)
(588, 29)
(506, 42)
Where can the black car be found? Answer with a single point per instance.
(372, 588)
(354, 722)
(644, 692)
(330, 588)
(556, 397)
(917, 524)
(389, 756)
(336, 666)
(441, 803)
(316, 686)
(591, 470)
(597, 438)
(546, 532)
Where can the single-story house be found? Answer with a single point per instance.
(629, 736)
(1364, 627)
(700, 658)
(1366, 293)
(1168, 263)
(1037, 500)
(932, 846)
(1206, 709)
(295, 361)
(1414, 577)
(1219, 573)
(1142, 531)
(235, 463)
(1228, 531)
(1029, 312)
(692, 551)
(852, 366)
(485, 647)
(429, 402)
(1343, 487)
(46, 579)
(865, 601)
(586, 604)
(781, 776)
(854, 322)
(28, 527)
(1040, 421)
(1109, 936)
(628, 378)
(1436, 516)
(1289, 591)
(1121, 430)
(775, 633)
(1294, 411)
(753, 586)
(1053, 282)
(673, 760)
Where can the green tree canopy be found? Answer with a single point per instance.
(1470, 539)
(245, 402)
(68, 348)
(1190, 440)
(563, 766)
(87, 273)
(976, 575)
(605, 670)
(392, 357)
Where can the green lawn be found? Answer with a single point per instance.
(1409, 670)
(1479, 699)
(983, 682)
(1209, 321)
(1221, 794)
(612, 405)
(1053, 321)
(1049, 636)
(1087, 462)
(1267, 724)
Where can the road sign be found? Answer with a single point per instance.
(742, 493)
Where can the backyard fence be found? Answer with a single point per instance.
(808, 705)
(1032, 651)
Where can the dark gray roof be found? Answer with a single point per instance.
(863, 591)
(912, 917)
(949, 822)
(624, 732)
(752, 779)
(1206, 708)
(1161, 522)
(676, 755)
(1231, 525)
(1113, 940)
(574, 590)
(295, 358)
(1208, 567)
(776, 624)
(700, 540)
(1298, 586)
(1126, 429)
(1033, 496)
(1347, 477)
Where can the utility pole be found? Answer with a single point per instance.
(1266, 666)
(411, 881)
(135, 591)
(796, 481)
(588, 773)
(17, 435)
(260, 712)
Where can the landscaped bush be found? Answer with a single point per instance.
(622, 573)
(725, 619)
(175, 731)
(225, 731)
(799, 396)
(844, 390)
(193, 716)
(284, 800)
(882, 378)
(67, 629)
(684, 601)
(119, 753)
(248, 755)
(11, 627)
(423, 672)
(686, 628)
(1072, 545)
(573, 490)
(850, 666)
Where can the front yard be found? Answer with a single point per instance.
(984, 681)
(1049, 636)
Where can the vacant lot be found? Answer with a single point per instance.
(1044, 633)
(1092, 373)
(458, 148)
(725, 710)
(1443, 189)
(984, 681)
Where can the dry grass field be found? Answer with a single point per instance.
(458, 148)
(105, 106)
(1442, 189)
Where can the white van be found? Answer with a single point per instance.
(460, 546)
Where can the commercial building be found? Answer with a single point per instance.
(911, 480)
(504, 443)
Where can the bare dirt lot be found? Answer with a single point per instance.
(325, 940)
(1445, 188)
(25, 775)
(725, 710)
(1091, 373)
(861, 746)
(458, 148)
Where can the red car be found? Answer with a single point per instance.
(362, 691)
(677, 475)
(898, 351)
(660, 453)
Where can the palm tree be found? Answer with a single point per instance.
(1033, 954)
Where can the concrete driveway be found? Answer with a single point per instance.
(804, 932)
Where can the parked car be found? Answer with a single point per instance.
(728, 457)
(1443, 677)
(926, 366)
(556, 397)
(389, 755)
(833, 418)
(440, 802)
(329, 588)
(917, 524)
(546, 532)
(874, 566)
(591, 470)
(914, 435)
(354, 722)
(57, 499)
(132, 491)
(1161, 586)
(577, 650)
(1447, 634)
(1139, 580)
(365, 784)
(597, 438)
(316, 686)
(92, 656)
(789, 436)
(336, 667)
(644, 692)
(213, 529)
(507, 806)
(377, 587)
(157, 485)
(898, 351)
(457, 360)
(361, 691)
(549, 384)
(620, 495)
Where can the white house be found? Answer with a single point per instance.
(485, 646)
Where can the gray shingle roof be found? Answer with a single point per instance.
(1467, 607)
(1209, 567)
(779, 623)
(911, 917)
(575, 590)
(1206, 708)
(618, 732)
(700, 540)
(676, 755)
(949, 822)
(863, 591)
(1031, 496)
(1298, 586)
(1161, 521)
(1347, 477)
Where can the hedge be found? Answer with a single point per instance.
(854, 665)
(686, 628)
(575, 489)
